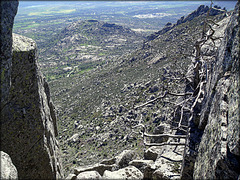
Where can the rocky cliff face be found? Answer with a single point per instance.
(219, 150)
(28, 121)
(212, 151)
(8, 12)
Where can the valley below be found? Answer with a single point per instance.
(107, 72)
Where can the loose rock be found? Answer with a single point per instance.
(125, 157)
(89, 175)
(129, 172)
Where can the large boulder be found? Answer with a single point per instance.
(8, 170)
(150, 154)
(71, 177)
(125, 157)
(147, 167)
(168, 166)
(89, 175)
(160, 174)
(129, 172)
(100, 168)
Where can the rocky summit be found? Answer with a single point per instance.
(168, 109)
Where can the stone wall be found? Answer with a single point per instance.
(28, 121)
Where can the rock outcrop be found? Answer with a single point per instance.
(129, 172)
(8, 12)
(127, 165)
(219, 151)
(89, 175)
(212, 151)
(28, 121)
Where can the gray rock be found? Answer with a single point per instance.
(112, 175)
(125, 157)
(150, 154)
(218, 124)
(89, 175)
(8, 10)
(129, 172)
(71, 177)
(29, 132)
(8, 170)
(73, 139)
(160, 174)
(169, 165)
(141, 163)
(109, 161)
(100, 168)
(147, 167)
(161, 129)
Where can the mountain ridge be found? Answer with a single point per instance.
(201, 10)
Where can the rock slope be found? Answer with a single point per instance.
(212, 150)
(8, 12)
(28, 121)
(99, 108)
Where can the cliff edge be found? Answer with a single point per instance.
(28, 121)
(219, 150)
(212, 150)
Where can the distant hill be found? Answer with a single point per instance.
(93, 32)
(88, 41)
